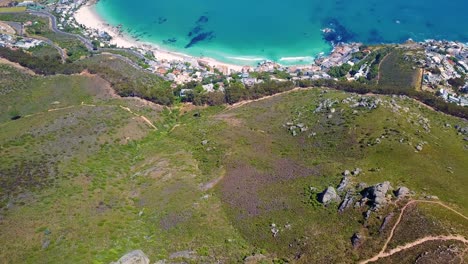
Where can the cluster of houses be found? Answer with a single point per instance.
(446, 60)
(64, 10)
(341, 54)
(11, 41)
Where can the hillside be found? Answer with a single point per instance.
(87, 176)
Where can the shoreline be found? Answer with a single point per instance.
(88, 17)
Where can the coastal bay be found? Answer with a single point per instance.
(247, 33)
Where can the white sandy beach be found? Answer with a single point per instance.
(87, 16)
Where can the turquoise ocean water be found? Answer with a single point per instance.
(289, 32)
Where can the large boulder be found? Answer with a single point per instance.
(402, 192)
(356, 240)
(377, 194)
(347, 202)
(133, 257)
(328, 196)
(343, 184)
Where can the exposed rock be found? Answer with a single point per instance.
(344, 182)
(419, 147)
(45, 243)
(133, 257)
(328, 196)
(313, 189)
(186, 254)
(356, 240)
(361, 203)
(402, 192)
(347, 201)
(346, 173)
(462, 130)
(385, 222)
(361, 185)
(274, 230)
(356, 171)
(204, 142)
(257, 258)
(377, 194)
(367, 214)
(431, 197)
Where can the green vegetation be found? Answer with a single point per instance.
(40, 28)
(141, 62)
(126, 80)
(84, 180)
(12, 9)
(398, 70)
(339, 71)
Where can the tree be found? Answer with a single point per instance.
(235, 92)
(339, 71)
(456, 82)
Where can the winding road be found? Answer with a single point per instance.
(86, 42)
(53, 27)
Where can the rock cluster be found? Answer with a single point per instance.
(274, 230)
(326, 104)
(366, 102)
(462, 130)
(377, 194)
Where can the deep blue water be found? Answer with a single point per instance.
(245, 31)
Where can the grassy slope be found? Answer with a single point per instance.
(107, 183)
(396, 72)
(261, 141)
(104, 175)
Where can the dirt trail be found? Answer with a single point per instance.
(239, 104)
(416, 243)
(140, 116)
(383, 254)
(17, 66)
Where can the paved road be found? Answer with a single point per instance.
(18, 27)
(84, 40)
(53, 26)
